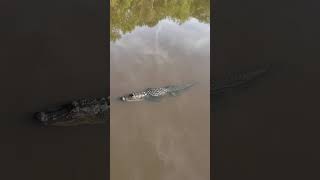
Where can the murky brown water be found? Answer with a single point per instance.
(167, 140)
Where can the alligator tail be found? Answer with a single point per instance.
(179, 88)
(237, 79)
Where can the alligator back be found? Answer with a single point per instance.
(156, 92)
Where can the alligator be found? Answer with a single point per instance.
(89, 111)
(93, 110)
(155, 94)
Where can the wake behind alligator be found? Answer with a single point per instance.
(89, 111)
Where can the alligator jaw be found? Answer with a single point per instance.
(135, 96)
(126, 99)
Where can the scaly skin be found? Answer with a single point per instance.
(78, 112)
(156, 93)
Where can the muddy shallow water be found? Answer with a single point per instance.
(169, 139)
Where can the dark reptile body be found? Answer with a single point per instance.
(84, 111)
(93, 110)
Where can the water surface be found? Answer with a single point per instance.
(169, 139)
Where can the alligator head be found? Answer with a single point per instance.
(135, 96)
